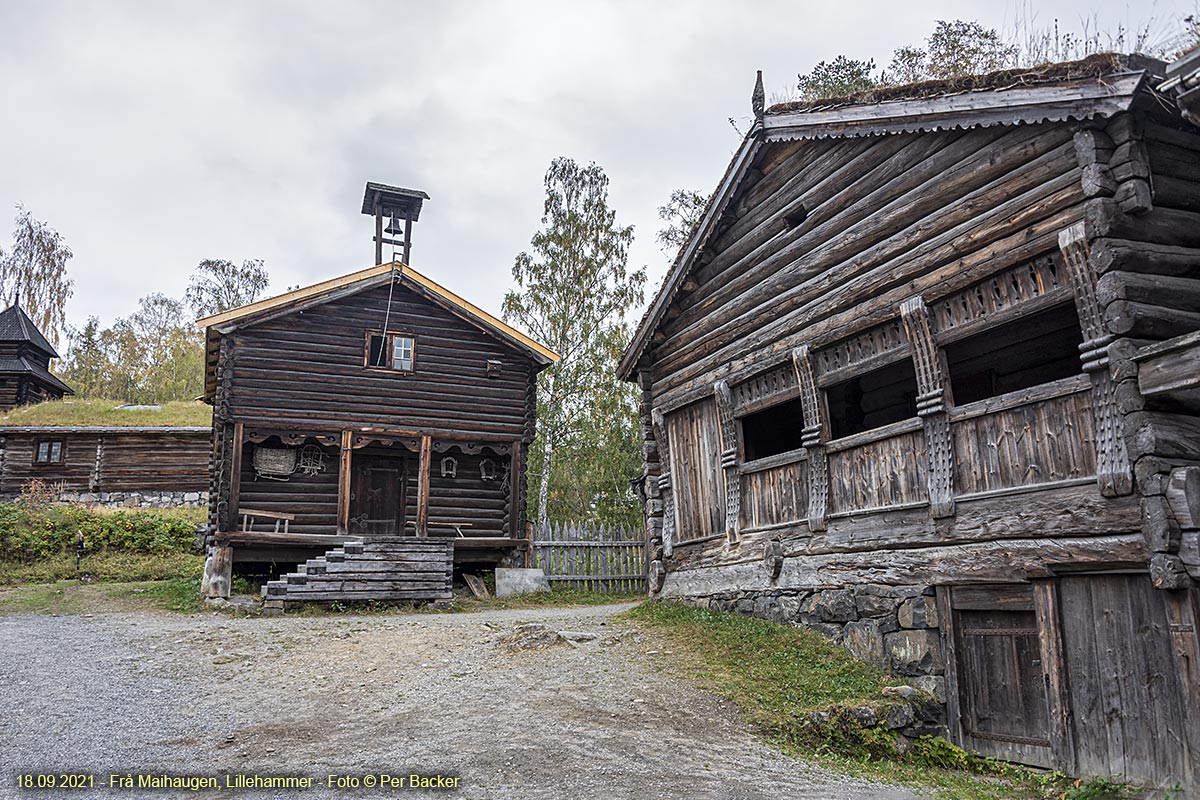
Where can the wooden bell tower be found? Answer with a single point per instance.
(394, 204)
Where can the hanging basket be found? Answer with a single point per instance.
(312, 460)
(274, 463)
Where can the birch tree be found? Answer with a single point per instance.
(573, 290)
(35, 270)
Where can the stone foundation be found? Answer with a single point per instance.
(893, 627)
(138, 499)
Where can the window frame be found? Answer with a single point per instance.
(48, 462)
(390, 337)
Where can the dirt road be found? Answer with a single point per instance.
(152, 692)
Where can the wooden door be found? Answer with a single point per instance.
(996, 683)
(696, 475)
(378, 489)
(1132, 709)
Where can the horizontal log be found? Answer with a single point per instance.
(985, 562)
(1180, 293)
(1164, 435)
(1145, 257)
(1183, 496)
(1105, 218)
(1145, 321)
(1171, 367)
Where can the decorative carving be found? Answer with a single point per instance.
(773, 558)
(813, 436)
(729, 459)
(449, 467)
(664, 481)
(1019, 284)
(758, 100)
(931, 406)
(874, 341)
(1112, 459)
(765, 386)
(487, 469)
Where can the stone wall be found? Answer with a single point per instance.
(893, 627)
(138, 499)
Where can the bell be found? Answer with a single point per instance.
(394, 228)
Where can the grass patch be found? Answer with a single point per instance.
(111, 566)
(76, 411)
(181, 595)
(774, 673)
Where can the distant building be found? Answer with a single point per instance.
(25, 362)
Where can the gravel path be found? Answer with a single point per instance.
(154, 692)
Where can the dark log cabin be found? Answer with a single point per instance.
(132, 466)
(25, 355)
(924, 378)
(375, 407)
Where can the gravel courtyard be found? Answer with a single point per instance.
(151, 692)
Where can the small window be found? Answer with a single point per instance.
(878, 398)
(48, 451)
(773, 430)
(391, 351)
(1026, 352)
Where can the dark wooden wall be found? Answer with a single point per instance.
(169, 460)
(306, 370)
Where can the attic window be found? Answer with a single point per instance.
(394, 351)
(48, 451)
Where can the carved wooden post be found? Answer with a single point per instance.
(1112, 459)
(423, 487)
(813, 437)
(235, 472)
(515, 501)
(729, 459)
(98, 466)
(931, 406)
(664, 481)
(344, 483)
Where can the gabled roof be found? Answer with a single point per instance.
(1099, 86)
(355, 282)
(16, 326)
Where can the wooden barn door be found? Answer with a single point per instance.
(696, 475)
(378, 489)
(1127, 657)
(997, 698)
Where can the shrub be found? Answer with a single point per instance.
(35, 531)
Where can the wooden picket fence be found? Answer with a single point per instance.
(591, 556)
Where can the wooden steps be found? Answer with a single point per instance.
(381, 568)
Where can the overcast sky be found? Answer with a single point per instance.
(155, 134)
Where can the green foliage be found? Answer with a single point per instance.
(36, 268)
(681, 214)
(77, 411)
(954, 50)
(836, 78)
(774, 671)
(107, 566)
(218, 285)
(31, 532)
(573, 292)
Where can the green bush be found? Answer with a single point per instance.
(33, 532)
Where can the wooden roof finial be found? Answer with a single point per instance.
(758, 100)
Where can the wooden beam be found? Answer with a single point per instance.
(1049, 623)
(950, 653)
(931, 405)
(729, 459)
(378, 234)
(515, 501)
(423, 488)
(235, 472)
(814, 436)
(347, 453)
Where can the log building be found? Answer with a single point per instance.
(25, 355)
(375, 407)
(111, 465)
(925, 378)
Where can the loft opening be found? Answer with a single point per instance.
(873, 399)
(392, 351)
(1026, 352)
(773, 430)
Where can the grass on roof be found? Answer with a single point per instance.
(76, 411)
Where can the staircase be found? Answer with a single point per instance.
(381, 568)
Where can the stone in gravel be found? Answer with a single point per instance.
(531, 637)
(579, 636)
(510, 581)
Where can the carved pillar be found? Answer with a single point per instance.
(97, 466)
(729, 459)
(1112, 459)
(931, 406)
(345, 461)
(813, 436)
(664, 481)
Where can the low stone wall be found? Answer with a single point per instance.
(138, 499)
(893, 627)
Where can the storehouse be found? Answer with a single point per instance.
(907, 383)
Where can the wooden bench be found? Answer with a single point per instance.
(249, 515)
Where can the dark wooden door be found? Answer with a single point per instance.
(996, 675)
(378, 489)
